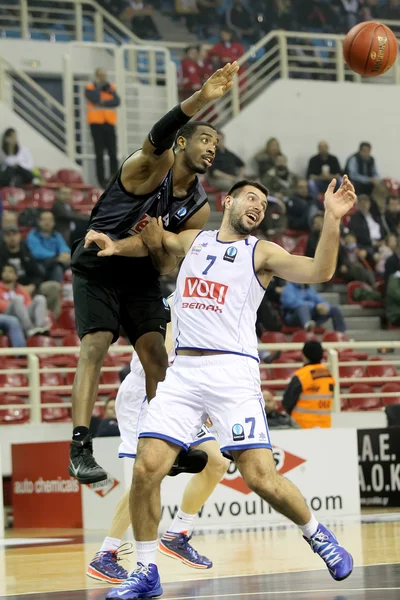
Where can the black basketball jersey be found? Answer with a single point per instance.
(120, 214)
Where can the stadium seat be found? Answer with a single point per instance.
(282, 373)
(350, 371)
(44, 197)
(301, 336)
(111, 379)
(78, 198)
(72, 339)
(374, 369)
(53, 378)
(359, 404)
(56, 413)
(344, 404)
(301, 244)
(12, 197)
(334, 336)
(390, 388)
(13, 416)
(354, 285)
(67, 319)
(68, 176)
(4, 341)
(273, 337)
(13, 380)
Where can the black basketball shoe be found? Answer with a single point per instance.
(82, 464)
(190, 461)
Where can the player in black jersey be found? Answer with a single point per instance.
(156, 181)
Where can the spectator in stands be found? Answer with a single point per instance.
(187, 9)
(391, 217)
(280, 182)
(322, 168)
(266, 158)
(392, 264)
(369, 11)
(362, 171)
(268, 318)
(240, 20)
(391, 11)
(108, 426)
(227, 50)
(204, 63)
(313, 238)
(16, 302)
(226, 168)
(301, 207)
(365, 227)
(278, 14)
(393, 299)
(347, 12)
(17, 161)
(8, 217)
(276, 419)
(352, 263)
(316, 14)
(49, 248)
(309, 395)
(142, 23)
(207, 16)
(303, 307)
(69, 222)
(15, 252)
(103, 101)
(384, 252)
(11, 327)
(191, 75)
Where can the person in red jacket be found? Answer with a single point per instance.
(227, 50)
(15, 301)
(191, 75)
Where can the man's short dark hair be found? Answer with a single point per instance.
(365, 145)
(189, 129)
(313, 351)
(239, 185)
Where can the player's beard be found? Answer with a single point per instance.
(195, 168)
(238, 226)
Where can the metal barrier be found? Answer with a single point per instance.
(35, 388)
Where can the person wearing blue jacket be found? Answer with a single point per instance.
(303, 307)
(49, 248)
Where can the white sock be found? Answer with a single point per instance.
(309, 529)
(183, 523)
(147, 552)
(110, 544)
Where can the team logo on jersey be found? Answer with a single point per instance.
(231, 254)
(196, 249)
(181, 212)
(238, 433)
(200, 288)
(140, 225)
(166, 220)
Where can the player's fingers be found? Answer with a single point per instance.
(103, 253)
(332, 185)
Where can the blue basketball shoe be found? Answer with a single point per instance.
(144, 582)
(105, 567)
(336, 558)
(176, 545)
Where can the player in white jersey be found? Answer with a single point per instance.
(219, 288)
(131, 407)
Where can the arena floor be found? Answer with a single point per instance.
(272, 563)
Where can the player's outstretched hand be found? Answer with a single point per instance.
(339, 203)
(152, 234)
(106, 244)
(219, 83)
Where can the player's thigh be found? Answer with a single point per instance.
(154, 459)
(130, 407)
(96, 306)
(257, 467)
(175, 414)
(233, 400)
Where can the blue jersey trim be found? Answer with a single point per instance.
(246, 447)
(254, 268)
(231, 242)
(206, 439)
(125, 455)
(166, 438)
(265, 418)
(219, 352)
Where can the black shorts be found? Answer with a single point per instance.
(115, 292)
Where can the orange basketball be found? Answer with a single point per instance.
(370, 48)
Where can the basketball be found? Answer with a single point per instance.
(370, 48)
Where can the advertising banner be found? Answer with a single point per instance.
(379, 466)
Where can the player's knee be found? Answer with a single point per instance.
(94, 346)
(153, 355)
(148, 471)
(217, 466)
(263, 482)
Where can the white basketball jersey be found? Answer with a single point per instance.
(217, 296)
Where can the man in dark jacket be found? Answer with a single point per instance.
(69, 222)
(392, 265)
(321, 169)
(15, 252)
(108, 426)
(367, 229)
(301, 207)
(391, 218)
(362, 170)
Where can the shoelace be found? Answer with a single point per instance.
(112, 558)
(327, 551)
(138, 574)
(89, 458)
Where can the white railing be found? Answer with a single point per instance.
(146, 82)
(31, 102)
(288, 55)
(34, 389)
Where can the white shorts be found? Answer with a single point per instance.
(131, 407)
(227, 388)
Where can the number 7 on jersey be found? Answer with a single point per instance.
(212, 260)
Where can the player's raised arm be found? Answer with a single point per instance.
(301, 269)
(143, 171)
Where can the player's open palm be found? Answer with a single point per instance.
(339, 203)
(219, 83)
(106, 244)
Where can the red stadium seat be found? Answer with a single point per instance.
(17, 380)
(354, 285)
(301, 336)
(301, 244)
(374, 369)
(56, 413)
(283, 373)
(45, 174)
(344, 404)
(334, 336)
(94, 194)
(273, 337)
(98, 411)
(351, 371)
(13, 416)
(41, 341)
(12, 197)
(67, 319)
(44, 197)
(78, 198)
(358, 404)
(69, 176)
(110, 378)
(72, 339)
(390, 388)
(53, 378)
(4, 341)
